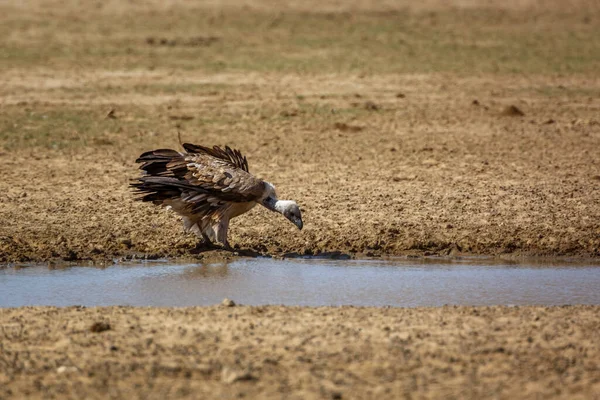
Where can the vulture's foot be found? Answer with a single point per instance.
(248, 253)
(204, 245)
(227, 247)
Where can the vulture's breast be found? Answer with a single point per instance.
(240, 208)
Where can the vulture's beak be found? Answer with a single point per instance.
(295, 220)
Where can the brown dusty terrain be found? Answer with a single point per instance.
(391, 125)
(300, 353)
(401, 128)
(428, 173)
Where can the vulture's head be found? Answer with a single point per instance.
(291, 211)
(287, 208)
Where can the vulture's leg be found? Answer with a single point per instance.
(221, 232)
(191, 225)
(208, 236)
(188, 225)
(206, 240)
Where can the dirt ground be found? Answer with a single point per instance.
(425, 174)
(300, 353)
(399, 129)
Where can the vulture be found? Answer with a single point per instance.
(207, 187)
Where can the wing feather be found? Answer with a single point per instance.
(234, 157)
(206, 180)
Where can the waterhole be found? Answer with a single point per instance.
(304, 282)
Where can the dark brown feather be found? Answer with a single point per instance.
(234, 157)
(155, 162)
(206, 180)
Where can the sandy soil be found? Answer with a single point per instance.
(428, 173)
(300, 353)
(401, 128)
(381, 163)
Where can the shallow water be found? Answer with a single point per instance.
(312, 282)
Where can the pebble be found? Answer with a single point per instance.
(63, 369)
(228, 303)
(230, 375)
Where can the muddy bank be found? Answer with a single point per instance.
(309, 353)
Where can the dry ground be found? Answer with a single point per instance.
(300, 353)
(385, 121)
(390, 122)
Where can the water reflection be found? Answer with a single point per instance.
(211, 271)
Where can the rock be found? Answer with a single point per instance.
(371, 106)
(230, 375)
(228, 303)
(181, 117)
(341, 126)
(111, 114)
(126, 242)
(98, 327)
(512, 111)
(64, 369)
(287, 113)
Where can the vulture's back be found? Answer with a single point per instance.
(205, 181)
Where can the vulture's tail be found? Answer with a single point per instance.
(158, 188)
(155, 162)
(160, 181)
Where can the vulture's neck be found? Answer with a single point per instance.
(271, 201)
(274, 204)
(282, 205)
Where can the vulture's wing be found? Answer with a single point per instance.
(234, 157)
(207, 181)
